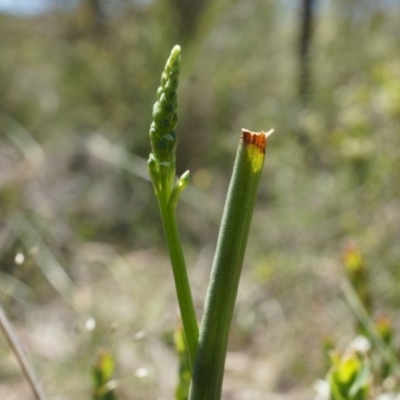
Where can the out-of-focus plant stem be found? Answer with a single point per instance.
(373, 333)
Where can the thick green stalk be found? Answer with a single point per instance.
(167, 189)
(221, 296)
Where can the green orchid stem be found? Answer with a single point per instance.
(221, 296)
(162, 171)
(182, 286)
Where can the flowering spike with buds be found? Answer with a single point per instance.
(162, 134)
(161, 166)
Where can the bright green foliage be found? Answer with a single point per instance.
(349, 378)
(102, 373)
(185, 375)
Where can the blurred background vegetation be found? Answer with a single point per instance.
(83, 263)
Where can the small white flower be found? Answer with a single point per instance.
(322, 389)
(90, 324)
(386, 396)
(111, 385)
(360, 344)
(19, 258)
(142, 372)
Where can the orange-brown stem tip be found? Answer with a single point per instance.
(257, 138)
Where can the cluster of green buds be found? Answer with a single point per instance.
(162, 130)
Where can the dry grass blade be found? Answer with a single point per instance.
(44, 259)
(23, 361)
